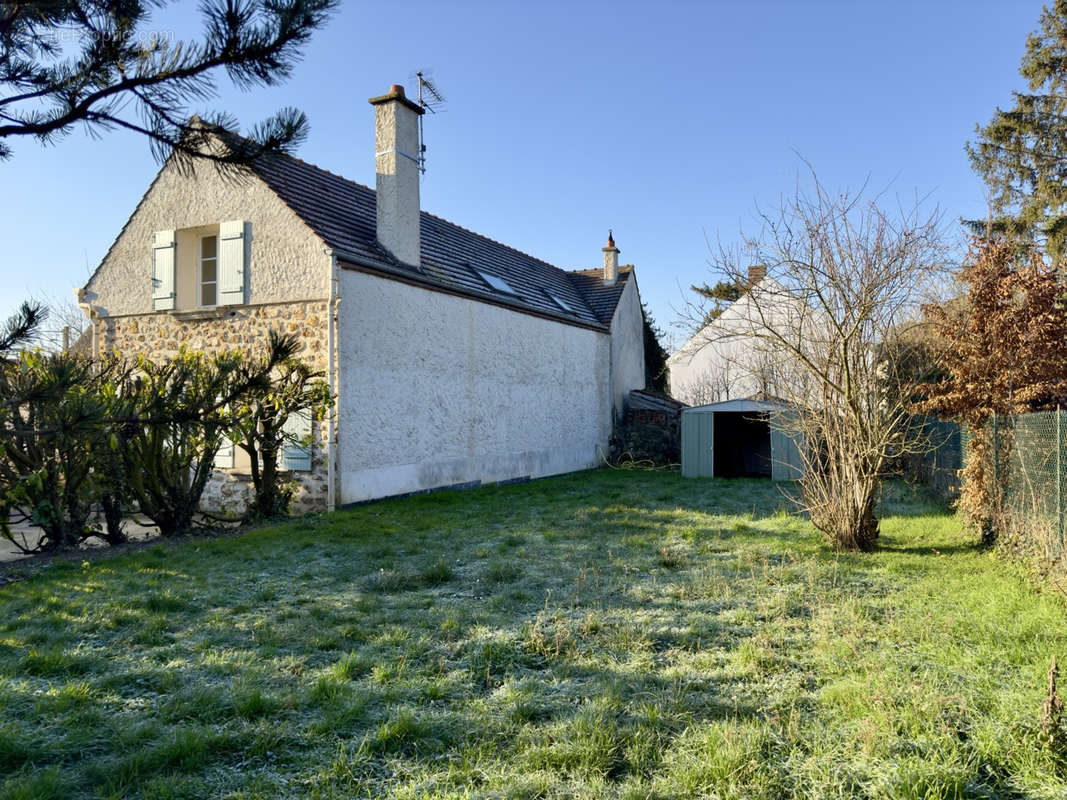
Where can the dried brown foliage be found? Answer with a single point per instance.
(1009, 354)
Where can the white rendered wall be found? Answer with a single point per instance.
(437, 390)
(627, 346)
(732, 358)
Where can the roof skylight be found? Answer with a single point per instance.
(497, 284)
(559, 301)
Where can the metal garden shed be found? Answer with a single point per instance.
(739, 439)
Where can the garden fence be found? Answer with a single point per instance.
(938, 466)
(1027, 460)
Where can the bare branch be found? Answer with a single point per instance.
(835, 301)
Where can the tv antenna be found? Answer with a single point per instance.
(430, 99)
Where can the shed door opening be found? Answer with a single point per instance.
(742, 445)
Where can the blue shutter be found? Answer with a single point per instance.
(296, 452)
(233, 259)
(163, 271)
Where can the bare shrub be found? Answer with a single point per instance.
(821, 334)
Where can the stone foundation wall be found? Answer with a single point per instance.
(161, 334)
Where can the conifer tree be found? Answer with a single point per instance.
(655, 354)
(720, 295)
(100, 64)
(1021, 154)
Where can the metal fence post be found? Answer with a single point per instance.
(996, 467)
(1059, 474)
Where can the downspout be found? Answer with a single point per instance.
(90, 311)
(332, 311)
(611, 379)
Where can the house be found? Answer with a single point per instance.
(735, 378)
(725, 359)
(455, 360)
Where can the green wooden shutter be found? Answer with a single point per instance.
(233, 258)
(296, 454)
(163, 271)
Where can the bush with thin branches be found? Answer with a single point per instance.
(845, 280)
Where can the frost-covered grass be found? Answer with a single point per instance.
(606, 634)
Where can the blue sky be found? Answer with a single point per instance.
(666, 121)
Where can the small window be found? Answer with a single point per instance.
(559, 301)
(495, 283)
(209, 270)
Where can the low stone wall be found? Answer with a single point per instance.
(162, 334)
(646, 434)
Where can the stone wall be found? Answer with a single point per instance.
(160, 335)
(287, 261)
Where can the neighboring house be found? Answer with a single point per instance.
(734, 376)
(728, 359)
(454, 359)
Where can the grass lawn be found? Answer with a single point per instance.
(605, 634)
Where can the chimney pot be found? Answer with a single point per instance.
(611, 261)
(396, 88)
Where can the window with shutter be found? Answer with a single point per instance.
(207, 293)
(233, 242)
(163, 293)
(296, 454)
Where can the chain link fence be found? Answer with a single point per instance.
(58, 340)
(937, 465)
(1027, 462)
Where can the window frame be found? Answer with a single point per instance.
(496, 284)
(560, 302)
(200, 270)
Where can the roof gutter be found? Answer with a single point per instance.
(89, 310)
(360, 263)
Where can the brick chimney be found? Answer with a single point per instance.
(756, 274)
(396, 164)
(611, 262)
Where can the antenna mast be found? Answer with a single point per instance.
(430, 99)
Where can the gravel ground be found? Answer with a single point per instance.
(9, 552)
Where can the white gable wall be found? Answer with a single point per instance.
(627, 346)
(439, 390)
(287, 288)
(726, 361)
